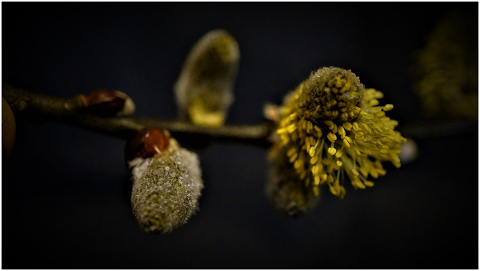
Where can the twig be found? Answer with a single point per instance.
(42, 108)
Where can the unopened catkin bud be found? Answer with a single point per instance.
(108, 103)
(204, 90)
(166, 186)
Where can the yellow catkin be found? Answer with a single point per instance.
(331, 100)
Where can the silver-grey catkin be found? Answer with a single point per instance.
(204, 90)
(166, 189)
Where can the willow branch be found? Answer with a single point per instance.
(42, 108)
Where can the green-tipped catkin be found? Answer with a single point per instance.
(166, 188)
(204, 90)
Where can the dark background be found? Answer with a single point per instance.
(66, 192)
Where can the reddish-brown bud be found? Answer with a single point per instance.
(146, 143)
(108, 103)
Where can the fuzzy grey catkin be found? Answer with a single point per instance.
(166, 189)
(204, 90)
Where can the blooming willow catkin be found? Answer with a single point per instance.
(166, 185)
(331, 126)
(287, 194)
(204, 90)
(446, 69)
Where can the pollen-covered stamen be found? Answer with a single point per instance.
(347, 125)
(355, 126)
(339, 153)
(332, 137)
(332, 150)
(388, 107)
(341, 132)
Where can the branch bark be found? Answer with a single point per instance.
(42, 108)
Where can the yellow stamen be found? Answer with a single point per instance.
(309, 126)
(355, 126)
(334, 128)
(330, 179)
(342, 192)
(292, 127)
(317, 180)
(332, 137)
(359, 136)
(366, 128)
(368, 183)
(324, 176)
(341, 131)
(302, 176)
(298, 164)
(374, 173)
(347, 125)
(388, 107)
(291, 151)
(364, 171)
(293, 157)
(357, 183)
(332, 190)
